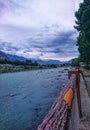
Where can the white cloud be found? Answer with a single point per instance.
(29, 27)
(36, 13)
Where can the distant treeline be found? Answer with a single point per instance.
(16, 66)
(18, 62)
(27, 63)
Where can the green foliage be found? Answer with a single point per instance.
(84, 48)
(5, 61)
(28, 62)
(75, 62)
(18, 62)
(83, 26)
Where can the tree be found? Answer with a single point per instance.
(83, 27)
(28, 62)
(75, 62)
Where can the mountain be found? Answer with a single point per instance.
(42, 62)
(56, 62)
(67, 62)
(15, 57)
(3, 56)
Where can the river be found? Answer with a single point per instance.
(26, 97)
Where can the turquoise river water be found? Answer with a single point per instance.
(26, 97)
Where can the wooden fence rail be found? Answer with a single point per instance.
(57, 117)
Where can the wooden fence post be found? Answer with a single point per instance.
(77, 73)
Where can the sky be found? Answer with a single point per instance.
(40, 29)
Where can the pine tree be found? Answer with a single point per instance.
(83, 27)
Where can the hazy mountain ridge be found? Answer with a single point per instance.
(21, 58)
(15, 57)
(3, 56)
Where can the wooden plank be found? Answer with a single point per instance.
(56, 119)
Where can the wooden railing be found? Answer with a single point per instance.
(57, 118)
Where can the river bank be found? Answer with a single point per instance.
(6, 68)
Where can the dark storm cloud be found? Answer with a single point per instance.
(33, 43)
(63, 41)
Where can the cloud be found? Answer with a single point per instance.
(41, 44)
(38, 28)
(36, 13)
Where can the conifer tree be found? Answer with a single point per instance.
(83, 27)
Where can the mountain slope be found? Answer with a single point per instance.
(21, 58)
(15, 57)
(3, 56)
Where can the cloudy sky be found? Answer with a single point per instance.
(39, 28)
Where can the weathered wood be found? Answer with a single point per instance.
(57, 116)
(74, 116)
(77, 73)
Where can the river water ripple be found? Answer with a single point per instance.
(26, 97)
